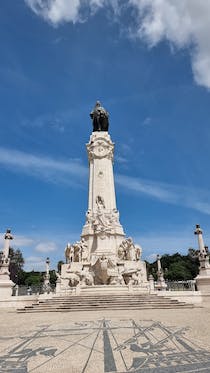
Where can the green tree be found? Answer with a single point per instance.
(178, 271)
(33, 278)
(53, 277)
(59, 265)
(176, 267)
(16, 265)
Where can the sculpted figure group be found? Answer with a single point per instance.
(128, 251)
(102, 221)
(77, 252)
(82, 277)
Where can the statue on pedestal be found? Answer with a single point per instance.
(5, 283)
(103, 256)
(161, 285)
(100, 118)
(203, 252)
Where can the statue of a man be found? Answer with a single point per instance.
(100, 118)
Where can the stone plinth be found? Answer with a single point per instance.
(203, 284)
(160, 285)
(203, 278)
(6, 284)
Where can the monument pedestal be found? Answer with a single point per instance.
(203, 283)
(203, 278)
(160, 285)
(6, 284)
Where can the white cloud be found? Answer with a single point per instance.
(33, 259)
(34, 263)
(56, 11)
(59, 11)
(146, 121)
(168, 241)
(21, 241)
(18, 241)
(121, 159)
(151, 258)
(46, 247)
(72, 172)
(69, 172)
(183, 23)
(196, 199)
(54, 121)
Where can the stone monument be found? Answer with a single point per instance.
(203, 278)
(6, 284)
(46, 283)
(103, 255)
(161, 285)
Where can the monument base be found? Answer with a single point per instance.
(203, 279)
(102, 290)
(102, 276)
(6, 286)
(203, 283)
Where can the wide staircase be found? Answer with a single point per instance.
(105, 302)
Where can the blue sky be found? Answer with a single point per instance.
(149, 64)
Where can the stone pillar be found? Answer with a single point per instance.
(8, 237)
(151, 283)
(6, 284)
(48, 269)
(58, 285)
(203, 278)
(159, 265)
(46, 286)
(199, 233)
(161, 285)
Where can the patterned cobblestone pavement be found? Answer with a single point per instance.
(153, 341)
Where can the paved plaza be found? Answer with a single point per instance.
(106, 341)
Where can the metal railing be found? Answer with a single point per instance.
(32, 290)
(188, 285)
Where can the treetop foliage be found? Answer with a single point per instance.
(176, 267)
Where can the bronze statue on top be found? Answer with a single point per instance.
(100, 118)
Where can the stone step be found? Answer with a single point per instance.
(104, 302)
(110, 302)
(79, 306)
(104, 305)
(34, 310)
(112, 289)
(108, 298)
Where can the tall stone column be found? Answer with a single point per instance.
(199, 233)
(6, 284)
(8, 237)
(161, 285)
(203, 278)
(46, 285)
(102, 229)
(103, 256)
